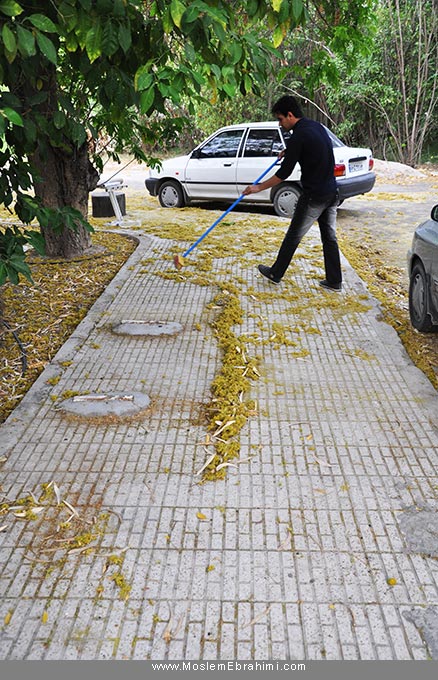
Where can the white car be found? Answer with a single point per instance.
(233, 157)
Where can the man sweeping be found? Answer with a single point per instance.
(310, 146)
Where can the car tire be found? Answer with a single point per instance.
(285, 200)
(171, 195)
(420, 319)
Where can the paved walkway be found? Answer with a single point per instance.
(320, 543)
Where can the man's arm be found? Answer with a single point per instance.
(290, 155)
(255, 188)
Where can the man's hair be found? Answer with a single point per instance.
(286, 104)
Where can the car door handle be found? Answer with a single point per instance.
(228, 165)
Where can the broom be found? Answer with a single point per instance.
(179, 259)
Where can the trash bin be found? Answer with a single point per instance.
(101, 204)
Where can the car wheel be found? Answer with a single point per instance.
(285, 200)
(420, 319)
(171, 195)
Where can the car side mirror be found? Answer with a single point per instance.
(434, 213)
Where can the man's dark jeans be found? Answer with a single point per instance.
(307, 211)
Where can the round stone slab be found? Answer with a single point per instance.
(148, 328)
(100, 405)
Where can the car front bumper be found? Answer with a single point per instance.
(354, 186)
(152, 186)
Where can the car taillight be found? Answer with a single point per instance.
(371, 164)
(339, 170)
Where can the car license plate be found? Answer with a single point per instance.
(355, 167)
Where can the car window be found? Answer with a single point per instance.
(334, 140)
(224, 145)
(263, 143)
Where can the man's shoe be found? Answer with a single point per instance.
(266, 272)
(337, 287)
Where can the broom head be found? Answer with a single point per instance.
(178, 261)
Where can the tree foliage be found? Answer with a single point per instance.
(71, 69)
(389, 100)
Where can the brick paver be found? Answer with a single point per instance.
(289, 557)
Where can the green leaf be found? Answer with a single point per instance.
(10, 56)
(278, 36)
(143, 78)
(59, 119)
(47, 47)
(177, 10)
(26, 41)
(13, 116)
(8, 38)
(3, 273)
(167, 21)
(119, 8)
(18, 263)
(229, 89)
(276, 4)
(125, 38)
(71, 42)
(10, 8)
(93, 42)
(43, 23)
(191, 14)
(147, 99)
(236, 52)
(283, 14)
(11, 274)
(190, 52)
(110, 43)
(248, 83)
(30, 130)
(219, 30)
(297, 8)
(36, 240)
(78, 134)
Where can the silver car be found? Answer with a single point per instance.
(423, 275)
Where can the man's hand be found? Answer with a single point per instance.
(267, 184)
(252, 189)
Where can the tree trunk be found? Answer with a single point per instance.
(66, 180)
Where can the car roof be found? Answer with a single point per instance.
(266, 123)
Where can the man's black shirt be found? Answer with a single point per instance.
(310, 146)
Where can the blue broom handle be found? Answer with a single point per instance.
(219, 219)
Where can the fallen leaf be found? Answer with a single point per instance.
(259, 617)
(7, 618)
(71, 508)
(207, 462)
(57, 493)
(45, 617)
(321, 462)
(222, 465)
(201, 515)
